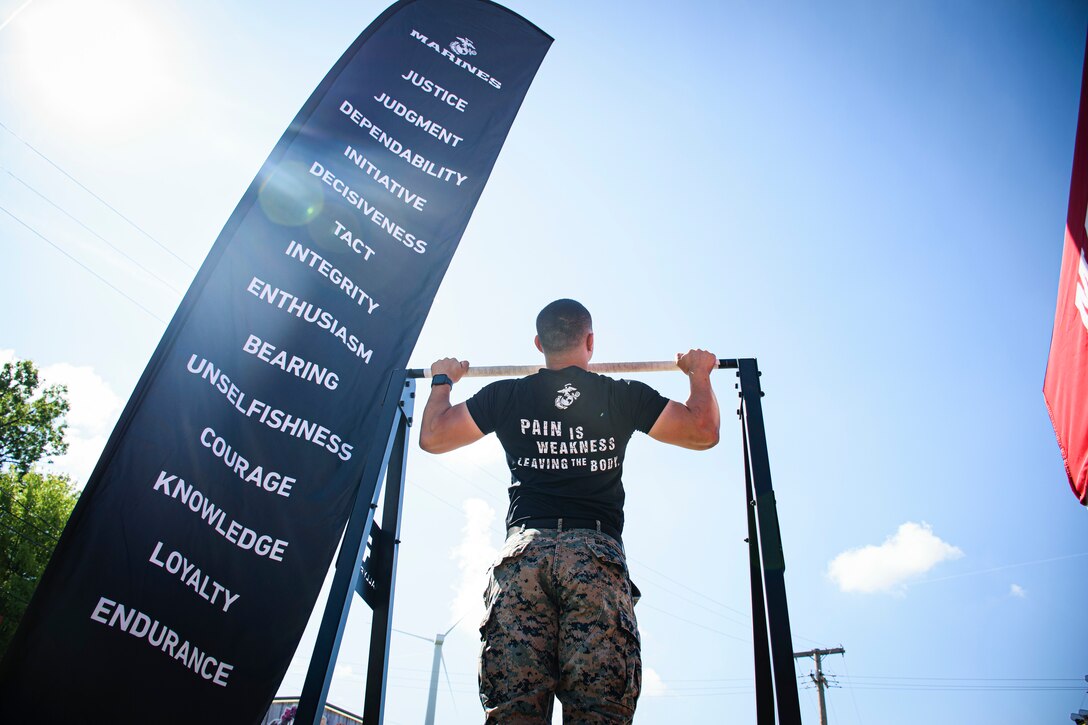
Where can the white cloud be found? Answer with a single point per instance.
(93, 408)
(652, 684)
(92, 413)
(94, 405)
(346, 672)
(474, 554)
(912, 551)
(1017, 591)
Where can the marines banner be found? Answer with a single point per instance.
(195, 554)
(1066, 385)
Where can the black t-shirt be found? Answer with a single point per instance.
(565, 433)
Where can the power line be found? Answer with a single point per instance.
(694, 603)
(902, 687)
(1001, 568)
(490, 495)
(81, 264)
(417, 485)
(903, 683)
(644, 605)
(96, 234)
(966, 679)
(853, 697)
(43, 532)
(693, 591)
(109, 206)
(23, 535)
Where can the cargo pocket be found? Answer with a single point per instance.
(618, 616)
(612, 556)
(607, 552)
(494, 673)
(486, 658)
(498, 573)
(513, 548)
(622, 664)
(633, 651)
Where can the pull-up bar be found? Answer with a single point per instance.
(373, 576)
(509, 371)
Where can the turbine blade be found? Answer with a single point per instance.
(449, 684)
(455, 624)
(401, 631)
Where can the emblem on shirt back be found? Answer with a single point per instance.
(567, 395)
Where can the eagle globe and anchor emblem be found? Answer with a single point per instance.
(463, 46)
(567, 395)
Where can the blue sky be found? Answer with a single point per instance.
(867, 197)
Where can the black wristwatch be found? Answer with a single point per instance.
(441, 379)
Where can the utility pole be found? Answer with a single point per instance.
(818, 678)
(1080, 718)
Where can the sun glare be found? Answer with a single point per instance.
(101, 66)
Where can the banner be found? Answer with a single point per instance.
(1066, 385)
(196, 552)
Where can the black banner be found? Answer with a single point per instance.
(195, 555)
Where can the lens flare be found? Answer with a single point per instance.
(291, 197)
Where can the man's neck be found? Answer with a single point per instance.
(561, 362)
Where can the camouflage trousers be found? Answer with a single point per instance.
(560, 624)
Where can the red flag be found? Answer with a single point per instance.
(1066, 384)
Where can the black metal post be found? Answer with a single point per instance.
(398, 398)
(386, 547)
(770, 546)
(762, 647)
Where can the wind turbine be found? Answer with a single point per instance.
(432, 696)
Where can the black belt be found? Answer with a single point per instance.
(565, 524)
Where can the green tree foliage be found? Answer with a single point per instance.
(34, 508)
(31, 421)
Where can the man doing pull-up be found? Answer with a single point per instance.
(560, 603)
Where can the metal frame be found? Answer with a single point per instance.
(775, 680)
(373, 577)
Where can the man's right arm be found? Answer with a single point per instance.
(694, 424)
(443, 426)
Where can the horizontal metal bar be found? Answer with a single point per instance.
(509, 371)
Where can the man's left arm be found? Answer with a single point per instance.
(694, 424)
(445, 427)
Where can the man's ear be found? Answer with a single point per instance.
(536, 341)
(589, 343)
